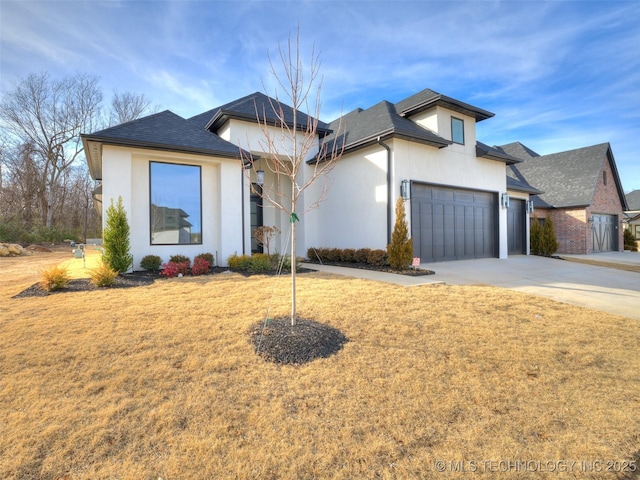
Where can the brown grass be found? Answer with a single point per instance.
(162, 382)
(599, 263)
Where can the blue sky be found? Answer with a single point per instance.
(557, 74)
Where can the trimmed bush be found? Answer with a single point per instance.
(400, 250)
(173, 269)
(535, 236)
(362, 255)
(239, 262)
(348, 255)
(200, 266)
(629, 241)
(180, 259)
(115, 238)
(206, 256)
(260, 263)
(103, 275)
(151, 262)
(55, 278)
(377, 258)
(550, 243)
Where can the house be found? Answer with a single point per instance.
(632, 214)
(186, 189)
(581, 191)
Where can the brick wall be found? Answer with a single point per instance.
(606, 200)
(572, 226)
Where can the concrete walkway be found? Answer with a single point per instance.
(606, 289)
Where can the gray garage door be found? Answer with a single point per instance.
(604, 233)
(516, 228)
(452, 224)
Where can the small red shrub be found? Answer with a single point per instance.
(173, 269)
(200, 266)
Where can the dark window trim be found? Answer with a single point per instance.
(604, 178)
(452, 138)
(151, 202)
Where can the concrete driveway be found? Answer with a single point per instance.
(601, 288)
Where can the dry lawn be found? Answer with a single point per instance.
(161, 382)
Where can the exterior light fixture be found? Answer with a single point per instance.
(405, 191)
(260, 175)
(530, 207)
(505, 200)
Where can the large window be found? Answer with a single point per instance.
(457, 130)
(176, 206)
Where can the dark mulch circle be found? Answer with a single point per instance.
(277, 341)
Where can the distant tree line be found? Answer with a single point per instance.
(46, 192)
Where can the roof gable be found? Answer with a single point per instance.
(517, 149)
(363, 127)
(633, 200)
(168, 131)
(427, 99)
(253, 107)
(568, 179)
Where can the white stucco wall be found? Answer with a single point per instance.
(126, 174)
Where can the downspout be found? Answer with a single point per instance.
(389, 199)
(242, 206)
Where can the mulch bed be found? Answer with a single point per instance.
(276, 340)
(418, 272)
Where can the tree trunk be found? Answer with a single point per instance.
(293, 253)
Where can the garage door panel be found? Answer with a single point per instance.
(604, 233)
(452, 224)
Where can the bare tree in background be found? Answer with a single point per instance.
(128, 106)
(49, 115)
(293, 141)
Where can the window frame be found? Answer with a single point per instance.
(453, 138)
(199, 167)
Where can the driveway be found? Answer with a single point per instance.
(601, 288)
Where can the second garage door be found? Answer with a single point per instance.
(452, 224)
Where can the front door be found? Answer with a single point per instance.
(256, 217)
(516, 227)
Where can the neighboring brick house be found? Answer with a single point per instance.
(632, 213)
(582, 193)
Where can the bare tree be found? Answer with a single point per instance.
(293, 141)
(128, 106)
(49, 115)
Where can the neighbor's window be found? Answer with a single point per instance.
(457, 130)
(176, 206)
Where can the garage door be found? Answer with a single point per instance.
(452, 224)
(604, 233)
(516, 227)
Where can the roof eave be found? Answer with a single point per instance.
(222, 117)
(478, 113)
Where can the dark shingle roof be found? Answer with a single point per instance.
(492, 153)
(428, 98)
(633, 200)
(363, 127)
(168, 131)
(251, 107)
(568, 179)
(516, 149)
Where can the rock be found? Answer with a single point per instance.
(4, 250)
(15, 249)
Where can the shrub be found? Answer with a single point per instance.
(260, 263)
(377, 258)
(151, 262)
(180, 259)
(103, 275)
(535, 236)
(550, 243)
(239, 262)
(315, 254)
(348, 255)
(400, 250)
(200, 266)
(115, 238)
(173, 269)
(630, 241)
(206, 256)
(55, 278)
(362, 255)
